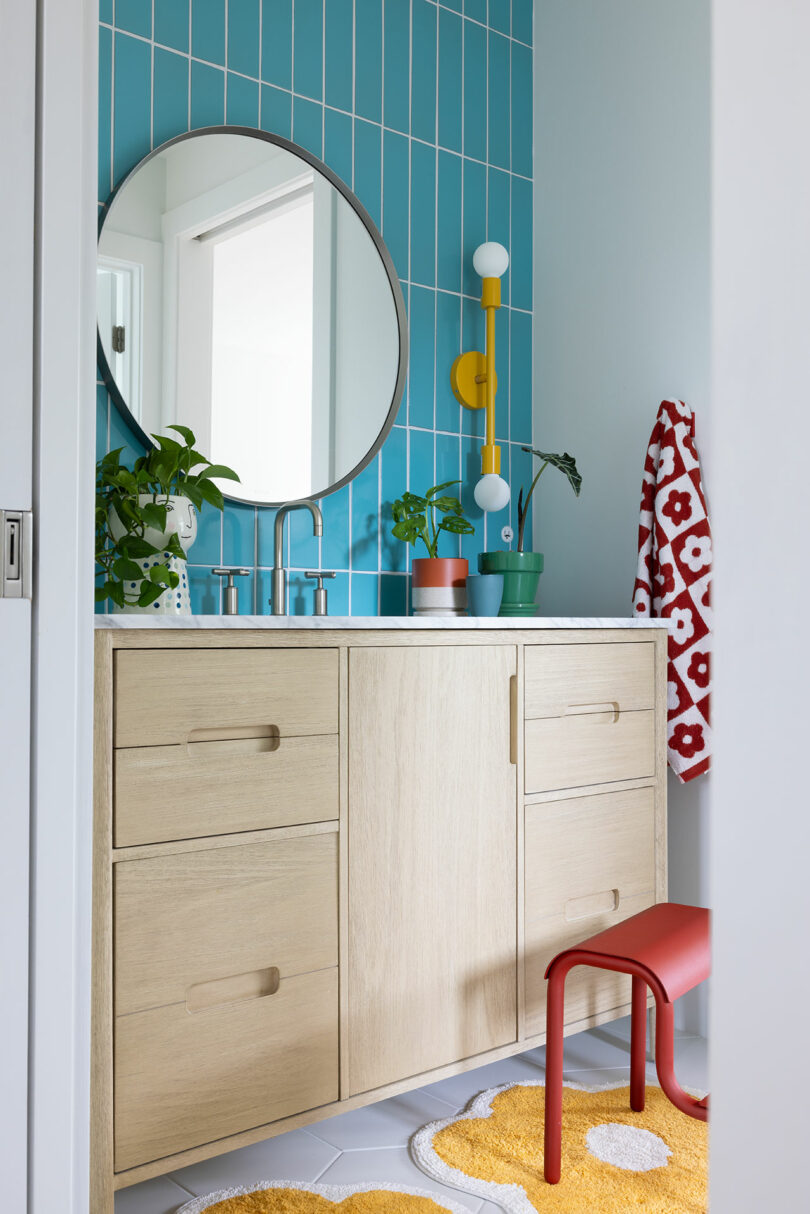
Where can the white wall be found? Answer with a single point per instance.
(761, 434)
(622, 257)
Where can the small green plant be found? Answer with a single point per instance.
(164, 471)
(415, 517)
(565, 463)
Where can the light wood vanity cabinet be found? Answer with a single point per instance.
(333, 865)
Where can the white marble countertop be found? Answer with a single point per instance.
(390, 622)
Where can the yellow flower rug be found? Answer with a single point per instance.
(290, 1197)
(613, 1160)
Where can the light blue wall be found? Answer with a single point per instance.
(425, 110)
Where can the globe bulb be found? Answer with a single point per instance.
(490, 260)
(492, 492)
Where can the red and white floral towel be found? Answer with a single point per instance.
(674, 581)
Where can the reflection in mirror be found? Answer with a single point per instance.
(242, 294)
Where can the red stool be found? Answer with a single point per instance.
(665, 948)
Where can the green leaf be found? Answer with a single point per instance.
(436, 488)
(127, 570)
(134, 546)
(456, 525)
(149, 593)
(174, 546)
(222, 471)
(193, 493)
(565, 463)
(211, 493)
(447, 504)
(184, 431)
(110, 459)
(101, 593)
(154, 515)
(407, 530)
(115, 591)
(168, 444)
(160, 575)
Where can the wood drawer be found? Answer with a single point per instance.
(590, 862)
(171, 697)
(183, 1080)
(564, 680)
(182, 920)
(225, 989)
(212, 788)
(595, 748)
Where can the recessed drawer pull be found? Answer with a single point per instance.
(602, 903)
(237, 733)
(235, 989)
(609, 706)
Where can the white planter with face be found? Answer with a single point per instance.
(180, 521)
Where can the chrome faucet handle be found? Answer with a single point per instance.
(231, 590)
(320, 589)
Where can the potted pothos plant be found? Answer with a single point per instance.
(521, 569)
(146, 521)
(439, 583)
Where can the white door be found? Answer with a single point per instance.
(17, 64)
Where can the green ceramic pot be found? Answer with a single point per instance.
(521, 574)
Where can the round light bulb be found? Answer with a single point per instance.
(492, 492)
(490, 260)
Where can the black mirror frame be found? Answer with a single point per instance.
(385, 258)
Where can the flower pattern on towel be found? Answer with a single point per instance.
(673, 580)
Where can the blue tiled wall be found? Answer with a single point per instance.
(425, 110)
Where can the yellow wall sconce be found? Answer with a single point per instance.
(474, 381)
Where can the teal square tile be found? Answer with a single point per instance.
(104, 113)
(499, 102)
(337, 149)
(456, 5)
(338, 54)
(521, 375)
(170, 96)
(336, 529)
(393, 594)
(365, 517)
(171, 23)
(308, 48)
(499, 217)
(499, 16)
(422, 358)
(134, 16)
(276, 111)
(394, 461)
(242, 106)
(133, 103)
(265, 521)
(239, 534)
(102, 419)
(122, 436)
(105, 11)
(421, 474)
(448, 468)
(475, 222)
(337, 595)
(448, 234)
(208, 30)
(368, 59)
(368, 166)
(423, 71)
(522, 17)
(423, 214)
(207, 548)
(473, 337)
(301, 594)
(449, 84)
(207, 95)
(395, 199)
(204, 591)
(243, 37)
(277, 49)
(448, 347)
(522, 137)
(476, 9)
(396, 59)
(308, 125)
(521, 271)
(475, 94)
(365, 594)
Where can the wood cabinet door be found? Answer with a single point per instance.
(432, 859)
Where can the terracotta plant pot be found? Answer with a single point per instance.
(439, 585)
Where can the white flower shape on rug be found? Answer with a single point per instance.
(628, 1147)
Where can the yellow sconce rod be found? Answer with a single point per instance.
(475, 382)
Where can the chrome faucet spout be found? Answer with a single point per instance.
(279, 600)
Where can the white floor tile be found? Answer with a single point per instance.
(460, 1089)
(392, 1164)
(158, 1196)
(293, 1156)
(387, 1124)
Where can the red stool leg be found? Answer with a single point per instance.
(555, 1001)
(638, 1045)
(664, 1063)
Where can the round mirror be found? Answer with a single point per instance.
(244, 292)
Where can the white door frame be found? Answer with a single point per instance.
(62, 684)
